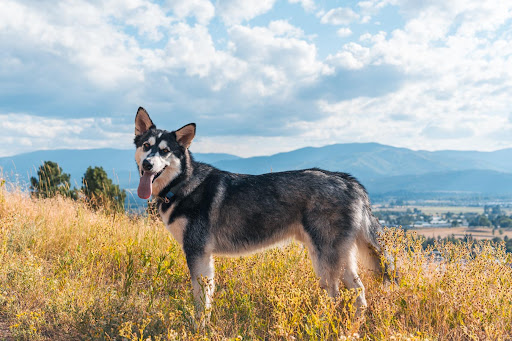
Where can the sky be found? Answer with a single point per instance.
(258, 77)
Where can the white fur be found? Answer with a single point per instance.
(162, 145)
(203, 282)
(170, 173)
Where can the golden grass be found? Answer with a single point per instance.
(67, 272)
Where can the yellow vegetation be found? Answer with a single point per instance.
(68, 272)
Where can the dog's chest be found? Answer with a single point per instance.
(175, 225)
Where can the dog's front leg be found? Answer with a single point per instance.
(201, 273)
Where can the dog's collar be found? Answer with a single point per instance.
(167, 197)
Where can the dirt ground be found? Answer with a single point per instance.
(460, 232)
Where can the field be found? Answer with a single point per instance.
(68, 272)
(437, 210)
(480, 233)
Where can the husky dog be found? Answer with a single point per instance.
(214, 212)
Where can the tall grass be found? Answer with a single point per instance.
(68, 272)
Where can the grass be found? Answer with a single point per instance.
(67, 272)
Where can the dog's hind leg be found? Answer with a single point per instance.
(327, 273)
(350, 276)
(202, 276)
(323, 253)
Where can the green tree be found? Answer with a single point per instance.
(100, 191)
(504, 221)
(50, 181)
(481, 220)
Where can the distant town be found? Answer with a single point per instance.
(488, 222)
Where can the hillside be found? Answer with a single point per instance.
(69, 273)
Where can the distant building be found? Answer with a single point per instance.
(435, 222)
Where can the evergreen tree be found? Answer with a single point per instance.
(100, 191)
(50, 181)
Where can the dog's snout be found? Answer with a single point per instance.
(146, 165)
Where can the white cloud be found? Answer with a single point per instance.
(148, 18)
(25, 133)
(192, 49)
(81, 38)
(437, 118)
(353, 57)
(284, 29)
(278, 58)
(235, 12)
(344, 32)
(202, 10)
(308, 5)
(339, 16)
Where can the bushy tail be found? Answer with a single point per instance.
(372, 252)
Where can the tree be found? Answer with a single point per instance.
(481, 220)
(50, 181)
(504, 221)
(100, 191)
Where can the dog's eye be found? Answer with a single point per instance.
(146, 145)
(164, 151)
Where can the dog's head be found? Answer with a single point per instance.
(160, 154)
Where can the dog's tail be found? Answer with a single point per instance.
(371, 250)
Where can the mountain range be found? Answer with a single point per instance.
(381, 168)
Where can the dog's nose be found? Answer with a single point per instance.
(146, 165)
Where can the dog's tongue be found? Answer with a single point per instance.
(144, 190)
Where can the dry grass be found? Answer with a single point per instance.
(67, 272)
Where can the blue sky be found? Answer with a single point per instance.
(257, 76)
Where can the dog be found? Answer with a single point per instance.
(214, 212)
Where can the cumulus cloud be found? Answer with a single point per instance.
(308, 5)
(235, 12)
(353, 56)
(277, 56)
(23, 133)
(339, 16)
(253, 69)
(82, 38)
(202, 10)
(344, 32)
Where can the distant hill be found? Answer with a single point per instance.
(381, 168)
(119, 163)
(372, 160)
(466, 181)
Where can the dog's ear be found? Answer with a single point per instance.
(142, 122)
(185, 134)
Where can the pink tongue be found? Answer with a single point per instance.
(144, 190)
